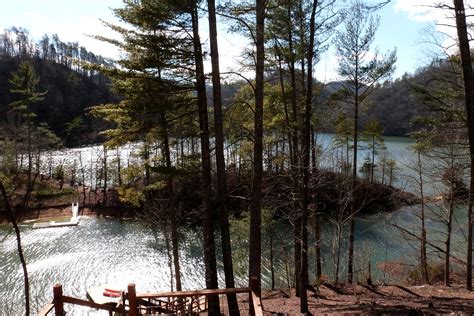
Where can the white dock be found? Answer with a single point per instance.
(74, 221)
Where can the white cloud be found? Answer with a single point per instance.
(443, 19)
(420, 10)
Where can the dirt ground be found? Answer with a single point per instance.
(375, 300)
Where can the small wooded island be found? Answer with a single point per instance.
(165, 182)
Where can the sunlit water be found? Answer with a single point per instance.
(114, 252)
(97, 252)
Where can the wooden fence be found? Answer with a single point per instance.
(135, 304)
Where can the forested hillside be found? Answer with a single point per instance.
(394, 104)
(70, 87)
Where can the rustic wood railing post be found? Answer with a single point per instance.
(253, 287)
(132, 300)
(58, 300)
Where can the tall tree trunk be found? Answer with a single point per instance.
(294, 101)
(255, 249)
(11, 216)
(172, 204)
(207, 222)
(220, 160)
(294, 157)
(350, 261)
(468, 76)
(306, 143)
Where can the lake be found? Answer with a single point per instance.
(116, 252)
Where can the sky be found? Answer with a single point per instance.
(403, 26)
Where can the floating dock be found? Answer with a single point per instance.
(74, 221)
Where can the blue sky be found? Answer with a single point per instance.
(400, 27)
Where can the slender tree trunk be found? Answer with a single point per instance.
(285, 106)
(119, 168)
(338, 254)
(448, 237)
(423, 258)
(255, 250)
(105, 176)
(168, 252)
(30, 154)
(172, 204)
(30, 184)
(11, 216)
(306, 143)
(314, 165)
(146, 153)
(272, 265)
(297, 242)
(317, 237)
(372, 166)
(207, 221)
(294, 99)
(294, 157)
(220, 160)
(468, 77)
(83, 176)
(350, 261)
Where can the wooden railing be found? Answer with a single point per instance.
(184, 302)
(59, 300)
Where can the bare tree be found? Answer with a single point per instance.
(11, 215)
(361, 73)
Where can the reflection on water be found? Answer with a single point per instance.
(110, 251)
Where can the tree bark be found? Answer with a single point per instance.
(306, 143)
(220, 160)
(207, 222)
(468, 77)
(255, 250)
